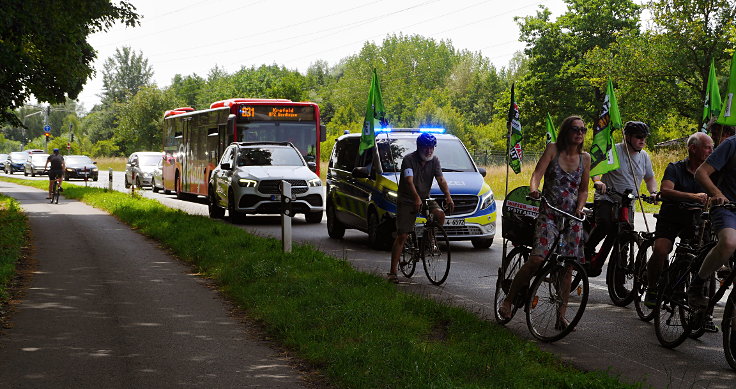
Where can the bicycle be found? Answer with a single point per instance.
(55, 191)
(428, 243)
(551, 298)
(675, 320)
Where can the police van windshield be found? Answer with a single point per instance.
(451, 152)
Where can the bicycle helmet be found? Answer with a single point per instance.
(635, 128)
(426, 140)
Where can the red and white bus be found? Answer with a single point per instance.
(194, 140)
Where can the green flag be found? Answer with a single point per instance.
(712, 104)
(514, 145)
(603, 153)
(375, 116)
(551, 131)
(727, 115)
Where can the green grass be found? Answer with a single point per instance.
(13, 227)
(358, 330)
(116, 163)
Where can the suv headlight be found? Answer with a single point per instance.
(315, 182)
(487, 201)
(69, 169)
(246, 183)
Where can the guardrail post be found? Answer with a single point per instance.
(109, 185)
(286, 214)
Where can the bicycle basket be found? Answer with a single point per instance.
(518, 217)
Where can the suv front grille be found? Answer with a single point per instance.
(272, 186)
(464, 204)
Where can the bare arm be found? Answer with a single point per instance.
(446, 190)
(414, 193)
(651, 184)
(702, 175)
(549, 154)
(583, 186)
(668, 192)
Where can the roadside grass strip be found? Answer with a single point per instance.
(355, 328)
(13, 228)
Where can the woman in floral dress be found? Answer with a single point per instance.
(566, 170)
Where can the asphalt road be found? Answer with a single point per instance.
(607, 338)
(108, 308)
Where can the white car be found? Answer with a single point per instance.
(248, 177)
(141, 165)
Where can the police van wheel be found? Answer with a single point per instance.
(335, 229)
(377, 239)
(482, 243)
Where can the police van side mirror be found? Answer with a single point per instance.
(225, 166)
(482, 171)
(361, 172)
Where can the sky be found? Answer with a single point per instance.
(193, 36)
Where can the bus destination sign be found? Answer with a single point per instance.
(280, 112)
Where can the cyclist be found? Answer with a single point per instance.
(723, 221)
(565, 168)
(57, 170)
(720, 132)
(635, 165)
(418, 169)
(678, 185)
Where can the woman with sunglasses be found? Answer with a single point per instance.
(565, 168)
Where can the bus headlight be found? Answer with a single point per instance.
(315, 182)
(487, 201)
(246, 183)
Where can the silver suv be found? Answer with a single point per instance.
(248, 177)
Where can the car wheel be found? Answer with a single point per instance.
(25, 173)
(235, 216)
(215, 210)
(482, 243)
(377, 239)
(33, 173)
(127, 184)
(313, 217)
(154, 188)
(95, 178)
(138, 183)
(335, 229)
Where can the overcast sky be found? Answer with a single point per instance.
(192, 36)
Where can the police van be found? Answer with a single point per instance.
(361, 189)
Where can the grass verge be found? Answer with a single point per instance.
(13, 227)
(355, 328)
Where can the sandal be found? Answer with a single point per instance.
(392, 277)
(562, 324)
(506, 311)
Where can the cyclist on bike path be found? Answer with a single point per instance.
(418, 169)
(57, 170)
(678, 185)
(723, 221)
(635, 166)
(565, 168)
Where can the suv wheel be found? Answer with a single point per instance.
(313, 217)
(335, 229)
(377, 239)
(481, 243)
(215, 211)
(235, 216)
(154, 188)
(25, 173)
(127, 184)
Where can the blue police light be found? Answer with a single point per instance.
(382, 129)
(436, 130)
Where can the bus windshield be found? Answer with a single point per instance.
(453, 156)
(269, 156)
(301, 134)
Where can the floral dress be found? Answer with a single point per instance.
(561, 190)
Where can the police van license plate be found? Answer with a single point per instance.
(454, 222)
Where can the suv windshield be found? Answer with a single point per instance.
(269, 156)
(148, 160)
(18, 156)
(78, 160)
(453, 156)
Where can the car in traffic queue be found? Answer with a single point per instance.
(248, 178)
(15, 162)
(140, 166)
(362, 189)
(3, 157)
(35, 164)
(157, 177)
(80, 166)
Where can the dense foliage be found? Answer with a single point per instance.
(657, 55)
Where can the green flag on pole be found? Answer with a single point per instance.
(551, 131)
(375, 116)
(603, 153)
(727, 115)
(712, 104)
(514, 145)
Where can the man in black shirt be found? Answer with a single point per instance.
(678, 186)
(57, 169)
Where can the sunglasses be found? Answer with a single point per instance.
(640, 136)
(581, 130)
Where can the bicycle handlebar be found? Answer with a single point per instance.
(552, 207)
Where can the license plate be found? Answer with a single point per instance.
(454, 222)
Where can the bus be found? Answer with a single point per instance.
(193, 140)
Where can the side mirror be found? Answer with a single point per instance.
(482, 171)
(94, 162)
(322, 133)
(361, 172)
(225, 166)
(312, 166)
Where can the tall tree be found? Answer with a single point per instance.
(123, 74)
(140, 119)
(50, 57)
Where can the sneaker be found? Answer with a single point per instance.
(650, 299)
(709, 325)
(695, 296)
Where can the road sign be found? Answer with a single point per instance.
(47, 129)
(68, 146)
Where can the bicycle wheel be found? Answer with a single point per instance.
(699, 327)
(620, 276)
(56, 195)
(506, 273)
(553, 310)
(435, 254)
(728, 326)
(671, 314)
(408, 260)
(641, 282)
(53, 191)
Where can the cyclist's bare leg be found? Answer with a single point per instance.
(565, 283)
(660, 251)
(396, 250)
(521, 280)
(439, 215)
(718, 255)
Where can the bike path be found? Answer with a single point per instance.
(108, 308)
